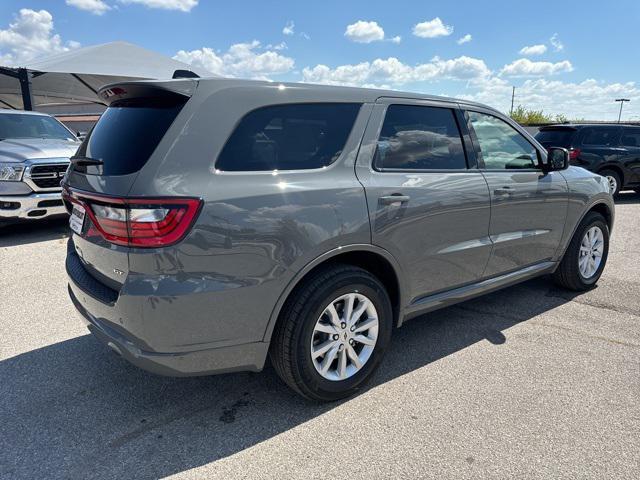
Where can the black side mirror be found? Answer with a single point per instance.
(557, 159)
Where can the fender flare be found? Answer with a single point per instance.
(358, 247)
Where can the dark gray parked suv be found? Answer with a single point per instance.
(219, 221)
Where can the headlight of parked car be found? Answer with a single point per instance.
(10, 172)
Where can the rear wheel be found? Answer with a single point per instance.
(615, 182)
(332, 333)
(586, 256)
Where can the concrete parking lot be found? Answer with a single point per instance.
(529, 382)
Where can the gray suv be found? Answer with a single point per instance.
(219, 221)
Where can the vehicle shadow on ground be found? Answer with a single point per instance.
(74, 409)
(25, 232)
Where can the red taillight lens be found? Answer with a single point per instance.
(139, 222)
(574, 153)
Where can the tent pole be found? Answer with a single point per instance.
(25, 86)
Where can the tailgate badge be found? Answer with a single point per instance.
(118, 272)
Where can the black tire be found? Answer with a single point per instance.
(568, 273)
(616, 176)
(290, 350)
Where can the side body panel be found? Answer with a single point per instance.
(439, 235)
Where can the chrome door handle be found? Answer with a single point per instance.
(392, 199)
(503, 191)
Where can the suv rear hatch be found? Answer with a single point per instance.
(106, 223)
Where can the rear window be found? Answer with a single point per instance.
(289, 137)
(556, 138)
(126, 135)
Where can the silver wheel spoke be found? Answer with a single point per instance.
(328, 359)
(326, 328)
(333, 315)
(348, 307)
(365, 325)
(364, 340)
(342, 364)
(323, 348)
(358, 313)
(354, 356)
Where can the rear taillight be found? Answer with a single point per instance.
(139, 222)
(574, 153)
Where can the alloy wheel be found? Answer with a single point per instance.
(591, 251)
(344, 336)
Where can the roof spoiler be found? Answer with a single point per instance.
(185, 74)
(140, 92)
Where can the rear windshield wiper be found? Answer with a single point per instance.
(82, 161)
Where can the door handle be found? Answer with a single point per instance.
(395, 198)
(503, 191)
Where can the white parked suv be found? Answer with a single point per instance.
(34, 155)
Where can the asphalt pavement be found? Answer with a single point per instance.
(529, 382)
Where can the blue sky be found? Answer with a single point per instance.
(580, 54)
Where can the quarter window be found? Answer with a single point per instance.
(289, 137)
(420, 138)
(601, 136)
(631, 137)
(501, 146)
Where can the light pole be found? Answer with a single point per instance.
(621, 100)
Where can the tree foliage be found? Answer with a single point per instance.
(525, 116)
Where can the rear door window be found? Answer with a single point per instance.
(289, 137)
(415, 137)
(601, 136)
(125, 136)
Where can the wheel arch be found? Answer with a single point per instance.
(375, 260)
(600, 206)
(616, 168)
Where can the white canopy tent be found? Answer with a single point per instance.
(76, 76)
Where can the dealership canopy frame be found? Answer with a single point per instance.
(75, 76)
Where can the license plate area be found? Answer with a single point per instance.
(76, 220)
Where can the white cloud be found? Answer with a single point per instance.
(466, 39)
(397, 39)
(289, 28)
(97, 7)
(557, 44)
(248, 60)
(588, 99)
(182, 5)
(523, 67)
(392, 71)
(305, 35)
(30, 35)
(364, 32)
(533, 50)
(432, 28)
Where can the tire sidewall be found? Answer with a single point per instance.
(349, 283)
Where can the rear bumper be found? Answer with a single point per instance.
(246, 357)
(34, 206)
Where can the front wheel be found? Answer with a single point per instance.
(332, 333)
(586, 256)
(614, 181)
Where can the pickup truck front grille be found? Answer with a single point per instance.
(48, 176)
